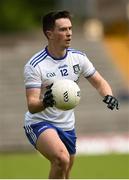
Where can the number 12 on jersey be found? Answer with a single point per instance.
(64, 72)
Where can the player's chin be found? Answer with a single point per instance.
(68, 44)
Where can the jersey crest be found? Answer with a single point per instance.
(76, 69)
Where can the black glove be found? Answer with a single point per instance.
(48, 100)
(111, 101)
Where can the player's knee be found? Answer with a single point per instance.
(61, 161)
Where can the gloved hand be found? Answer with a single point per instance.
(48, 100)
(111, 102)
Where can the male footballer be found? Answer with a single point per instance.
(50, 130)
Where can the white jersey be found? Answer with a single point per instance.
(42, 69)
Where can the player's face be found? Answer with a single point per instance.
(62, 32)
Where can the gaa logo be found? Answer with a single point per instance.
(51, 74)
(66, 98)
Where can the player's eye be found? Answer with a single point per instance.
(70, 28)
(63, 29)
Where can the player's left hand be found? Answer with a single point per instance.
(111, 102)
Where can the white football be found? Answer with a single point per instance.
(66, 94)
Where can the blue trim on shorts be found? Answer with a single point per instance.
(68, 137)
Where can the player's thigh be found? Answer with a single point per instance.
(50, 145)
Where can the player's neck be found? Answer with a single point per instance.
(56, 52)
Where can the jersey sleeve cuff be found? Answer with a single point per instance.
(91, 74)
(28, 86)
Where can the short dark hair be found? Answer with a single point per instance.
(48, 21)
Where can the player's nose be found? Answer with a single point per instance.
(69, 32)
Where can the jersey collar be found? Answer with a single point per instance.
(54, 57)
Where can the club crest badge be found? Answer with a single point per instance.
(76, 69)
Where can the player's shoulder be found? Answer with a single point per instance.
(37, 58)
(76, 52)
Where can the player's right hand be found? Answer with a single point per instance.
(48, 100)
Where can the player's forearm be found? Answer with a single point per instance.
(100, 84)
(35, 106)
(104, 88)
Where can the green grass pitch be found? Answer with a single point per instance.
(33, 166)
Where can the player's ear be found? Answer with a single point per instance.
(49, 34)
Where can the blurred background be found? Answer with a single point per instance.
(101, 30)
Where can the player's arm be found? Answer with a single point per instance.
(100, 84)
(35, 101)
(104, 90)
